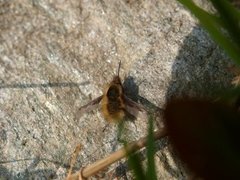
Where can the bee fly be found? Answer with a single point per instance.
(114, 104)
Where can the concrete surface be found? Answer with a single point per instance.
(57, 55)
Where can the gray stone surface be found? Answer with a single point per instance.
(57, 55)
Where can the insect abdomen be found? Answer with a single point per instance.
(113, 105)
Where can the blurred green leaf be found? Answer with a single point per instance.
(228, 20)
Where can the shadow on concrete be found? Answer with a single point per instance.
(43, 85)
(31, 170)
(200, 70)
(27, 174)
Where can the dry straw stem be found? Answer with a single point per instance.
(73, 159)
(103, 163)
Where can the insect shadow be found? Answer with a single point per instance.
(131, 90)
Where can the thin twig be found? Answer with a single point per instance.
(103, 163)
(73, 159)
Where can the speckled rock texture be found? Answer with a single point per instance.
(56, 56)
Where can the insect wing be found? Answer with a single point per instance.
(135, 109)
(94, 104)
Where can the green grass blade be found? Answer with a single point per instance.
(151, 168)
(230, 17)
(134, 163)
(212, 25)
(120, 132)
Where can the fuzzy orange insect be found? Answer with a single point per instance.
(115, 105)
